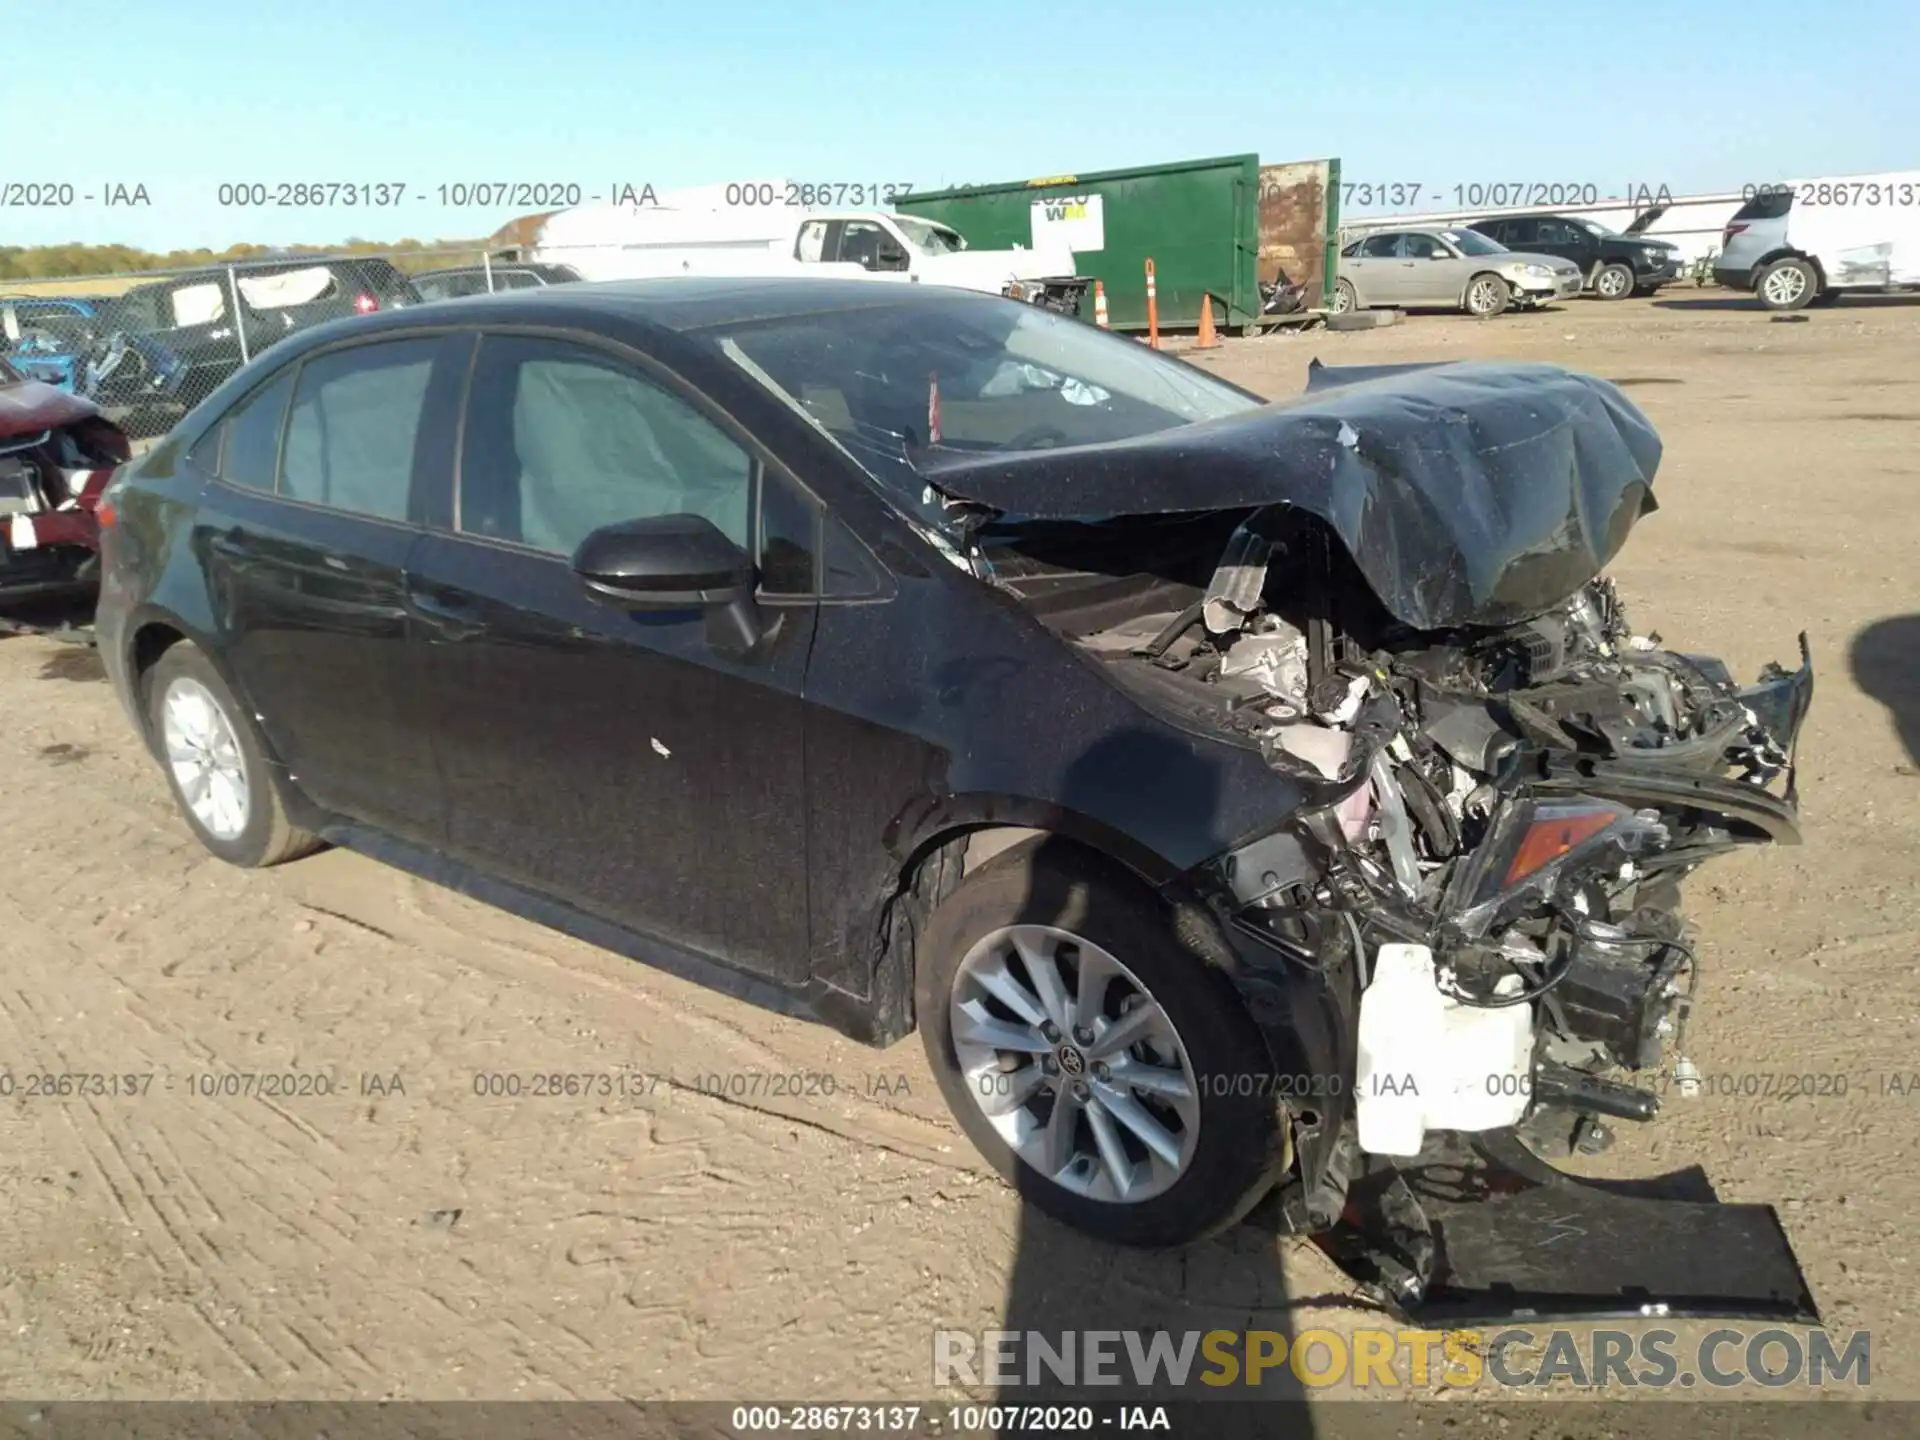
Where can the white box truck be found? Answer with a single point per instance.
(629, 242)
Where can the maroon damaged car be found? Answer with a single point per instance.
(57, 453)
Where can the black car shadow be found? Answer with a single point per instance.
(1886, 664)
(1065, 1283)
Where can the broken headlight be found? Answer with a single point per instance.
(1536, 845)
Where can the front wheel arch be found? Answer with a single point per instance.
(938, 861)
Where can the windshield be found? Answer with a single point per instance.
(928, 238)
(902, 386)
(1472, 242)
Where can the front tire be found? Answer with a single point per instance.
(1487, 296)
(1614, 282)
(1787, 284)
(216, 767)
(1099, 1064)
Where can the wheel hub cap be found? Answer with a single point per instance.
(204, 754)
(1074, 1063)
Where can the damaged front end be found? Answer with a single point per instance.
(57, 454)
(1465, 947)
(1520, 973)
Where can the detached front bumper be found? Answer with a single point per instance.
(1535, 291)
(1480, 1230)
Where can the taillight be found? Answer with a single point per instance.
(365, 304)
(1733, 229)
(105, 514)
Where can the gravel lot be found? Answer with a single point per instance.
(406, 1236)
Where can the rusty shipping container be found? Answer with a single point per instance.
(1299, 216)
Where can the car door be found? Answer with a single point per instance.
(623, 762)
(1564, 242)
(305, 527)
(1375, 269)
(1520, 233)
(1431, 273)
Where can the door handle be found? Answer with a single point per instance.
(233, 544)
(448, 619)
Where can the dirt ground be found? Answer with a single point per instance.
(407, 1236)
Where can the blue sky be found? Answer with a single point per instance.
(179, 97)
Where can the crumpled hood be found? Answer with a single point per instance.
(1471, 493)
(28, 406)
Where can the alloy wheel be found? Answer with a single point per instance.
(1784, 284)
(1076, 1065)
(1613, 283)
(1483, 297)
(204, 754)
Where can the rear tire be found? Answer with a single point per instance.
(1021, 945)
(1346, 299)
(1789, 283)
(216, 765)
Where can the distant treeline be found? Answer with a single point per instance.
(54, 262)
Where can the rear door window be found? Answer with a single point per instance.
(1380, 247)
(1770, 206)
(245, 448)
(355, 423)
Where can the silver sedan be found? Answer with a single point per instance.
(1451, 267)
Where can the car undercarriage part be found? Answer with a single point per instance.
(1479, 1230)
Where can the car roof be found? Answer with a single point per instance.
(690, 303)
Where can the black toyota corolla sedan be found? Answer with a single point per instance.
(1220, 787)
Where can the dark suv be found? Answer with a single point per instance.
(1615, 265)
(161, 348)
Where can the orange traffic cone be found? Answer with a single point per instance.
(1208, 337)
(1153, 310)
(1100, 305)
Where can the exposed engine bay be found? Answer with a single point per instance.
(1472, 958)
(1516, 804)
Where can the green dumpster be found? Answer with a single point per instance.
(1197, 220)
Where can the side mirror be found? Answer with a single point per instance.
(890, 256)
(667, 562)
(674, 562)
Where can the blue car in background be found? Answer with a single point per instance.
(46, 338)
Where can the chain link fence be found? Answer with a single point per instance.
(146, 347)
